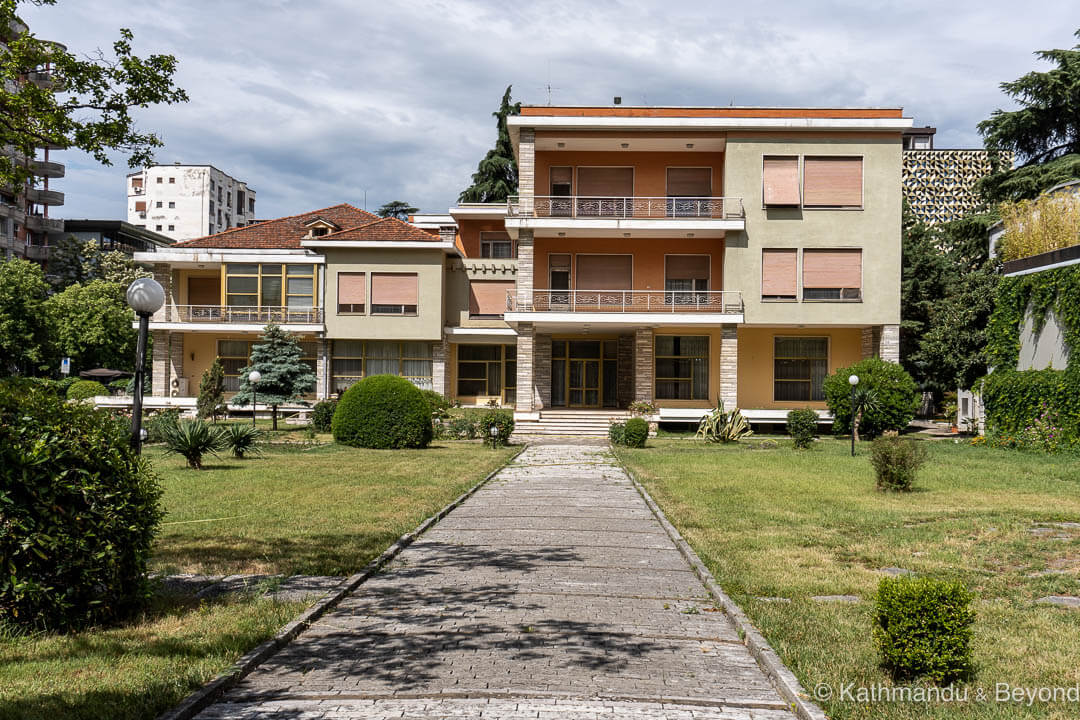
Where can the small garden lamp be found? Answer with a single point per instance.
(493, 431)
(253, 377)
(853, 380)
(145, 296)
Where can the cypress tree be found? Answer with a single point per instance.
(496, 177)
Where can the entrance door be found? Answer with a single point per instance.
(584, 383)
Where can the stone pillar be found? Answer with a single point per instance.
(525, 270)
(643, 365)
(542, 371)
(159, 364)
(868, 343)
(525, 375)
(440, 375)
(624, 387)
(889, 344)
(163, 274)
(526, 170)
(176, 367)
(322, 369)
(729, 366)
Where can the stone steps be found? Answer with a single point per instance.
(581, 423)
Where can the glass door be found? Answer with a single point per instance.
(584, 381)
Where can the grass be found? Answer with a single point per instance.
(791, 524)
(297, 509)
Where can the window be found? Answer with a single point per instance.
(157, 204)
(605, 191)
(832, 182)
(393, 293)
(239, 202)
(235, 355)
(356, 359)
(693, 186)
(496, 245)
(779, 274)
(270, 286)
(352, 292)
(159, 180)
(219, 195)
(211, 228)
(211, 208)
(172, 204)
(320, 231)
(488, 297)
(140, 206)
(604, 272)
(219, 217)
(685, 275)
(172, 181)
(780, 180)
(157, 227)
(682, 367)
(172, 227)
(832, 275)
(211, 184)
(251, 205)
(487, 370)
(800, 365)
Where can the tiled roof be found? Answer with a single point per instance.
(282, 233)
(383, 230)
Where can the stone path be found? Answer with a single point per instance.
(553, 592)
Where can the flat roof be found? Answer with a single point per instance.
(732, 111)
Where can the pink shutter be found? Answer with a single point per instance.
(488, 297)
(832, 181)
(687, 267)
(604, 272)
(832, 269)
(780, 180)
(351, 288)
(778, 273)
(393, 289)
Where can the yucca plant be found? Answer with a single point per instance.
(724, 427)
(192, 439)
(241, 439)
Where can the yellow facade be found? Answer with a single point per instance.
(756, 361)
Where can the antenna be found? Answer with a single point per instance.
(547, 87)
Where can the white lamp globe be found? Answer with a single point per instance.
(254, 376)
(853, 380)
(145, 296)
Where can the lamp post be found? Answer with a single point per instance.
(853, 380)
(493, 431)
(253, 377)
(145, 296)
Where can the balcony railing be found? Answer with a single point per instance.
(595, 207)
(628, 301)
(239, 314)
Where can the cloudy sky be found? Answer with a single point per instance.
(314, 102)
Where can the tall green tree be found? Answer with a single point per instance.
(66, 263)
(286, 378)
(496, 177)
(211, 402)
(111, 266)
(25, 343)
(398, 209)
(93, 111)
(92, 324)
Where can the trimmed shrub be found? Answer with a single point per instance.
(118, 387)
(86, 389)
(802, 426)
(157, 424)
(383, 411)
(503, 420)
(440, 405)
(896, 461)
(242, 439)
(192, 439)
(896, 393)
(323, 414)
(636, 432)
(80, 511)
(616, 433)
(922, 628)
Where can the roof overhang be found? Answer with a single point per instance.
(480, 335)
(478, 211)
(193, 257)
(379, 244)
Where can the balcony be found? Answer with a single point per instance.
(46, 168)
(565, 308)
(37, 223)
(232, 314)
(41, 196)
(593, 216)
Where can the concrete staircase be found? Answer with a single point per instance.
(580, 423)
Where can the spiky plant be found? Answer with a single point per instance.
(241, 439)
(192, 439)
(723, 427)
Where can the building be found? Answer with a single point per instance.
(116, 236)
(188, 201)
(670, 256)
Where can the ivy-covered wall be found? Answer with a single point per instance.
(1016, 399)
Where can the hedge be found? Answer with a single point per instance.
(1015, 400)
(383, 412)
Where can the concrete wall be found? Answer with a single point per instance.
(756, 361)
(458, 275)
(1046, 349)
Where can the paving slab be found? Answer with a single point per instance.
(552, 592)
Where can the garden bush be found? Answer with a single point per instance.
(896, 461)
(440, 405)
(923, 628)
(158, 423)
(1017, 402)
(79, 513)
(802, 426)
(118, 387)
(897, 397)
(323, 414)
(636, 432)
(242, 439)
(501, 419)
(383, 411)
(616, 433)
(192, 439)
(86, 389)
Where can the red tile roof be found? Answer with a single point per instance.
(383, 230)
(283, 233)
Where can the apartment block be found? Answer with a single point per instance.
(188, 201)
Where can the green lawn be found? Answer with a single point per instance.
(782, 523)
(319, 510)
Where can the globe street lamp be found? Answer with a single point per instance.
(253, 377)
(853, 380)
(145, 296)
(493, 432)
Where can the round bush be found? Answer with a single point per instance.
(85, 389)
(79, 513)
(322, 415)
(635, 432)
(897, 397)
(802, 427)
(383, 411)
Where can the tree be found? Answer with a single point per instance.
(496, 177)
(93, 113)
(285, 376)
(66, 263)
(398, 209)
(211, 402)
(112, 266)
(24, 329)
(92, 324)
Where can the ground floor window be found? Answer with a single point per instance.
(800, 365)
(584, 373)
(235, 355)
(355, 359)
(682, 367)
(487, 370)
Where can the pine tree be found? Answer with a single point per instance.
(285, 376)
(211, 402)
(496, 177)
(397, 208)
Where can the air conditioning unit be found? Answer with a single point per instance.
(179, 387)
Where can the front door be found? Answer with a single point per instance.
(584, 383)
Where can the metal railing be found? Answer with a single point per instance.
(239, 314)
(582, 206)
(653, 301)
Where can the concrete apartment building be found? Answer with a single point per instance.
(665, 255)
(188, 201)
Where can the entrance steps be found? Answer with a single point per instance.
(580, 423)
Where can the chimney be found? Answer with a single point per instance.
(618, 100)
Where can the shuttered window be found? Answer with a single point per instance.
(496, 244)
(393, 293)
(780, 180)
(606, 181)
(488, 297)
(832, 182)
(352, 292)
(604, 272)
(562, 180)
(779, 274)
(832, 275)
(689, 182)
(140, 206)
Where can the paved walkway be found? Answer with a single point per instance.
(552, 593)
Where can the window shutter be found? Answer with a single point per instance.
(832, 269)
(689, 182)
(393, 289)
(562, 175)
(352, 288)
(778, 273)
(606, 181)
(140, 206)
(687, 267)
(780, 180)
(832, 182)
(604, 272)
(488, 297)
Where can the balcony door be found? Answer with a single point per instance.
(605, 192)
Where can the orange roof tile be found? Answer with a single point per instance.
(282, 233)
(388, 229)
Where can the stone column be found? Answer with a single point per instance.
(624, 390)
(525, 270)
(159, 364)
(526, 170)
(525, 375)
(440, 376)
(889, 344)
(643, 365)
(322, 369)
(176, 366)
(542, 371)
(163, 274)
(729, 366)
